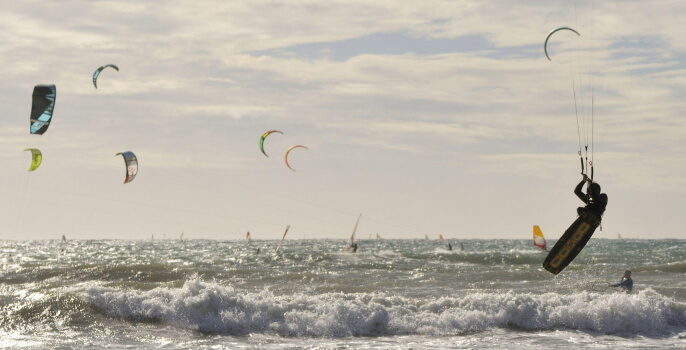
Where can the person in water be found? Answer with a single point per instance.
(626, 284)
(594, 199)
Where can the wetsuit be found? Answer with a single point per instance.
(595, 202)
(626, 284)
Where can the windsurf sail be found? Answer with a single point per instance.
(181, 238)
(441, 239)
(64, 239)
(352, 237)
(283, 238)
(36, 158)
(539, 240)
(97, 73)
(247, 236)
(289, 151)
(264, 136)
(619, 237)
(377, 236)
(131, 165)
(426, 238)
(42, 106)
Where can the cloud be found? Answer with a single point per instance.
(430, 83)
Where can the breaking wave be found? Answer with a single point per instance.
(215, 308)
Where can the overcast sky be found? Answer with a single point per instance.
(428, 117)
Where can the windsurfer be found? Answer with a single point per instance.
(594, 199)
(449, 246)
(626, 284)
(354, 247)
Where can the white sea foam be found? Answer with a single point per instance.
(211, 307)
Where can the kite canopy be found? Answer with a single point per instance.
(131, 165)
(97, 73)
(545, 44)
(289, 151)
(36, 158)
(264, 136)
(42, 106)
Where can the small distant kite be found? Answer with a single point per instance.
(289, 151)
(131, 165)
(97, 73)
(545, 44)
(264, 136)
(36, 158)
(42, 106)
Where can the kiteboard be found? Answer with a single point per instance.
(571, 243)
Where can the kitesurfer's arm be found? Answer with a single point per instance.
(625, 284)
(577, 190)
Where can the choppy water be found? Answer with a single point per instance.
(400, 294)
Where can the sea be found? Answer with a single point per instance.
(390, 294)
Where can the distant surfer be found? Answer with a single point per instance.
(594, 199)
(626, 284)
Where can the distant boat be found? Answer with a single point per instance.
(619, 237)
(539, 240)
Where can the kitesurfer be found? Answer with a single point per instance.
(626, 284)
(594, 199)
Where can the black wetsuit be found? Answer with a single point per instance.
(595, 202)
(626, 284)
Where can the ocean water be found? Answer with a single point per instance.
(391, 294)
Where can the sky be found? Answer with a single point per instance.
(428, 117)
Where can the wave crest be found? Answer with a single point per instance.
(209, 307)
